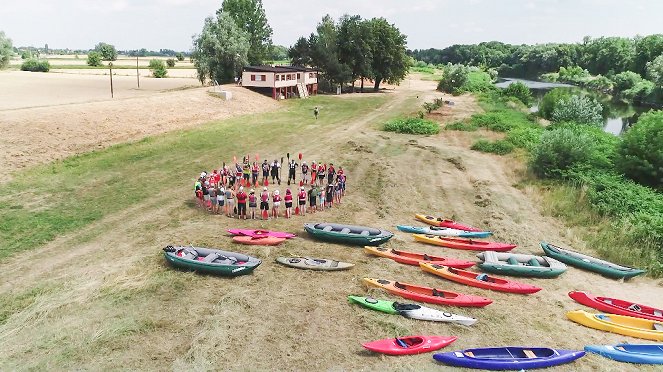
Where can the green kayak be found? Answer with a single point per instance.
(347, 234)
(590, 263)
(210, 261)
(374, 304)
(520, 264)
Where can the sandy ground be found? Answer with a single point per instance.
(121, 307)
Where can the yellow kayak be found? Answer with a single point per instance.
(620, 324)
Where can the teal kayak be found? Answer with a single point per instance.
(590, 263)
(347, 234)
(520, 264)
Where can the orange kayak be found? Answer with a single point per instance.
(479, 280)
(267, 240)
(413, 258)
(427, 294)
(460, 243)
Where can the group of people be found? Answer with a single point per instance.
(231, 190)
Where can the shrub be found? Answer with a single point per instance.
(477, 81)
(170, 62)
(524, 137)
(640, 154)
(36, 65)
(494, 121)
(431, 106)
(578, 109)
(500, 147)
(639, 92)
(550, 100)
(158, 68)
(179, 56)
(453, 78)
(412, 126)
(6, 50)
(572, 73)
(107, 51)
(94, 59)
(625, 80)
(520, 91)
(461, 126)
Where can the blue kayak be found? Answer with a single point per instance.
(443, 231)
(630, 353)
(508, 358)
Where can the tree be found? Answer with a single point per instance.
(640, 154)
(107, 51)
(355, 47)
(220, 51)
(646, 50)
(655, 71)
(158, 68)
(300, 53)
(278, 53)
(94, 59)
(520, 91)
(453, 78)
(6, 50)
(249, 16)
(324, 53)
(179, 56)
(36, 65)
(578, 109)
(390, 62)
(550, 101)
(170, 62)
(625, 80)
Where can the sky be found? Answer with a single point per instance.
(170, 24)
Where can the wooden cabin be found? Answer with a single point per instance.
(281, 81)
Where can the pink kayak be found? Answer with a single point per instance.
(261, 233)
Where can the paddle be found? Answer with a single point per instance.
(281, 169)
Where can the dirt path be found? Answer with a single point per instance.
(102, 297)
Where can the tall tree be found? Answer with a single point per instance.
(220, 51)
(6, 50)
(324, 52)
(354, 49)
(646, 50)
(390, 62)
(250, 16)
(300, 53)
(107, 51)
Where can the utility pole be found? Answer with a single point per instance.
(110, 67)
(137, 73)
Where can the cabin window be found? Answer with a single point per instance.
(277, 77)
(289, 77)
(299, 76)
(310, 74)
(253, 77)
(263, 78)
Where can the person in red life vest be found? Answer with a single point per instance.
(241, 203)
(288, 203)
(265, 171)
(212, 179)
(305, 170)
(264, 202)
(254, 173)
(253, 203)
(322, 170)
(331, 172)
(238, 175)
(314, 170)
(301, 198)
(276, 203)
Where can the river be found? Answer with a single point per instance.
(617, 115)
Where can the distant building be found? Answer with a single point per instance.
(281, 81)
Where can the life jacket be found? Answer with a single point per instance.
(264, 196)
(302, 196)
(314, 167)
(265, 167)
(252, 198)
(254, 169)
(331, 170)
(288, 198)
(241, 197)
(276, 198)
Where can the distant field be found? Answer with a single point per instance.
(71, 60)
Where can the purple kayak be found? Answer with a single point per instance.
(508, 358)
(261, 233)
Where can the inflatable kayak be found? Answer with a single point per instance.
(314, 263)
(211, 261)
(443, 222)
(479, 280)
(409, 345)
(443, 231)
(261, 233)
(590, 263)
(460, 243)
(620, 324)
(427, 294)
(347, 234)
(413, 258)
(508, 358)
(411, 311)
(520, 264)
(265, 240)
(619, 307)
(630, 353)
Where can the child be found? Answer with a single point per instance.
(301, 197)
(276, 203)
(252, 203)
(288, 203)
(264, 203)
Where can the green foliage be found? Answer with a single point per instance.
(641, 150)
(578, 109)
(647, 49)
(500, 147)
(249, 16)
(300, 53)
(6, 50)
(639, 92)
(389, 61)
(572, 73)
(550, 101)
(158, 68)
(94, 59)
(179, 56)
(324, 53)
(453, 79)
(478, 82)
(495, 121)
(26, 54)
(36, 65)
(461, 126)
(625, 80)
(354, 46)
(525, 137)
(655, 71)
(107, 51)
(220, 51)
(412, 126)
(278, 53)
(170, 62)
(434, 105)
(601, 83)
(520, 91)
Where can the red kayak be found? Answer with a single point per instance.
(443, 222)
(265, 240)
(618, 307)
(479, 280)
(413, 258)
(261, 233)
(426, 294)
(460, 243)
(409, 345)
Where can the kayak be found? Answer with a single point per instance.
(619, 307)
(620, 324)
(443, 231)
(460, 243)
(266, 240)
(508, 358)
(314, 263)
(413, 258)
(590, 263)
(427, 294)
(409, 345)
(443, 222)
(261, 233)
(414, 311)
(520, 264)
(347, 234)
(211, 261)
(630, 353)
(374, 304)
(479, 280)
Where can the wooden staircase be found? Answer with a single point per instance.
(301, 89)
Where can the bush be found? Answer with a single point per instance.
(494, 121)
(550, 100)
(500, 147)
(170, 62)
(461, 126)
(520, 91)
(412, 126)
(94, 59)
(640, 154)
(431, 106)
(158, 68)
(36, 65)
(107, 51)
(578, 109)
(625, 80)
(524, 137)
(453, 78)
(478, 82)
(639, 92)
(179, 56)
(6, 50)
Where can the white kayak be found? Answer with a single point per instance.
(443, 231)
(414, 311)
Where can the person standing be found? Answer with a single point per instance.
(220, 196)
(288, 203)
(292, 170)
(316, 112)
(230, 202)
(301, 198)
(322, 172)
(253, 203)
(331, 172)
(305, 170)
(264, 203)
(241, 203)
(276, 166)
(276, 203)
(206, 195)
(255, 170)
(314, 169)
(312, 196)
(212, 199)
(265, 172)
(329, 195)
